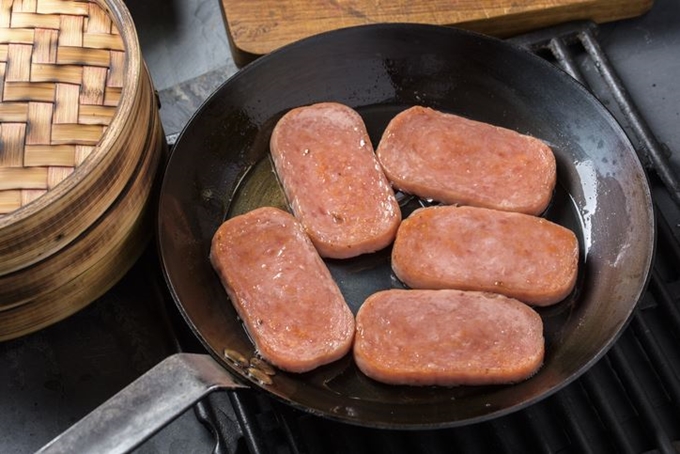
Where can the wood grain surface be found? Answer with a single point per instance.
(257, 27)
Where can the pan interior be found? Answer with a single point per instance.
(362, 276)
(221, 167)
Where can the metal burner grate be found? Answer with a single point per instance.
(565, 46)
(629, 402)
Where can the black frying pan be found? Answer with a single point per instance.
(220, 167)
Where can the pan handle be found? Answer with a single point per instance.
(145, 406)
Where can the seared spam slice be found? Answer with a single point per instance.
(455, 160)
(335, 187)
(282, 290)
(467, 248)
(447, 337)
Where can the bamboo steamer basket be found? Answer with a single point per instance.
(80, 145)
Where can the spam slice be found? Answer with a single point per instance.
(335, 187)
(455, 160)
(469, 248)
(282, 290)
(447, 338)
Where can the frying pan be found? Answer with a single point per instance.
(220, 168)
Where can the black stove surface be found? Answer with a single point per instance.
(628, 402)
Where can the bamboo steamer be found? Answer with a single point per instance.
(80, 145)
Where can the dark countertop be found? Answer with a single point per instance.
(52, 378)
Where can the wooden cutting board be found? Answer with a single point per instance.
(257, 27)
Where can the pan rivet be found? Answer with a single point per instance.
(260, 376)
(235, 357)
(262, 365)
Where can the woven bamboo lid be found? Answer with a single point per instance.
(53, 289)
(80, 144)
(71, 90)
(96, 243)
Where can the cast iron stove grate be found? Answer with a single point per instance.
(629, 402)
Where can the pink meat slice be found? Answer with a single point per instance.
(333, 182)
(468, 248)
(282, 290)
(447, 337)
(455, 160)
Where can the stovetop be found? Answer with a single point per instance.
(628, 402)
